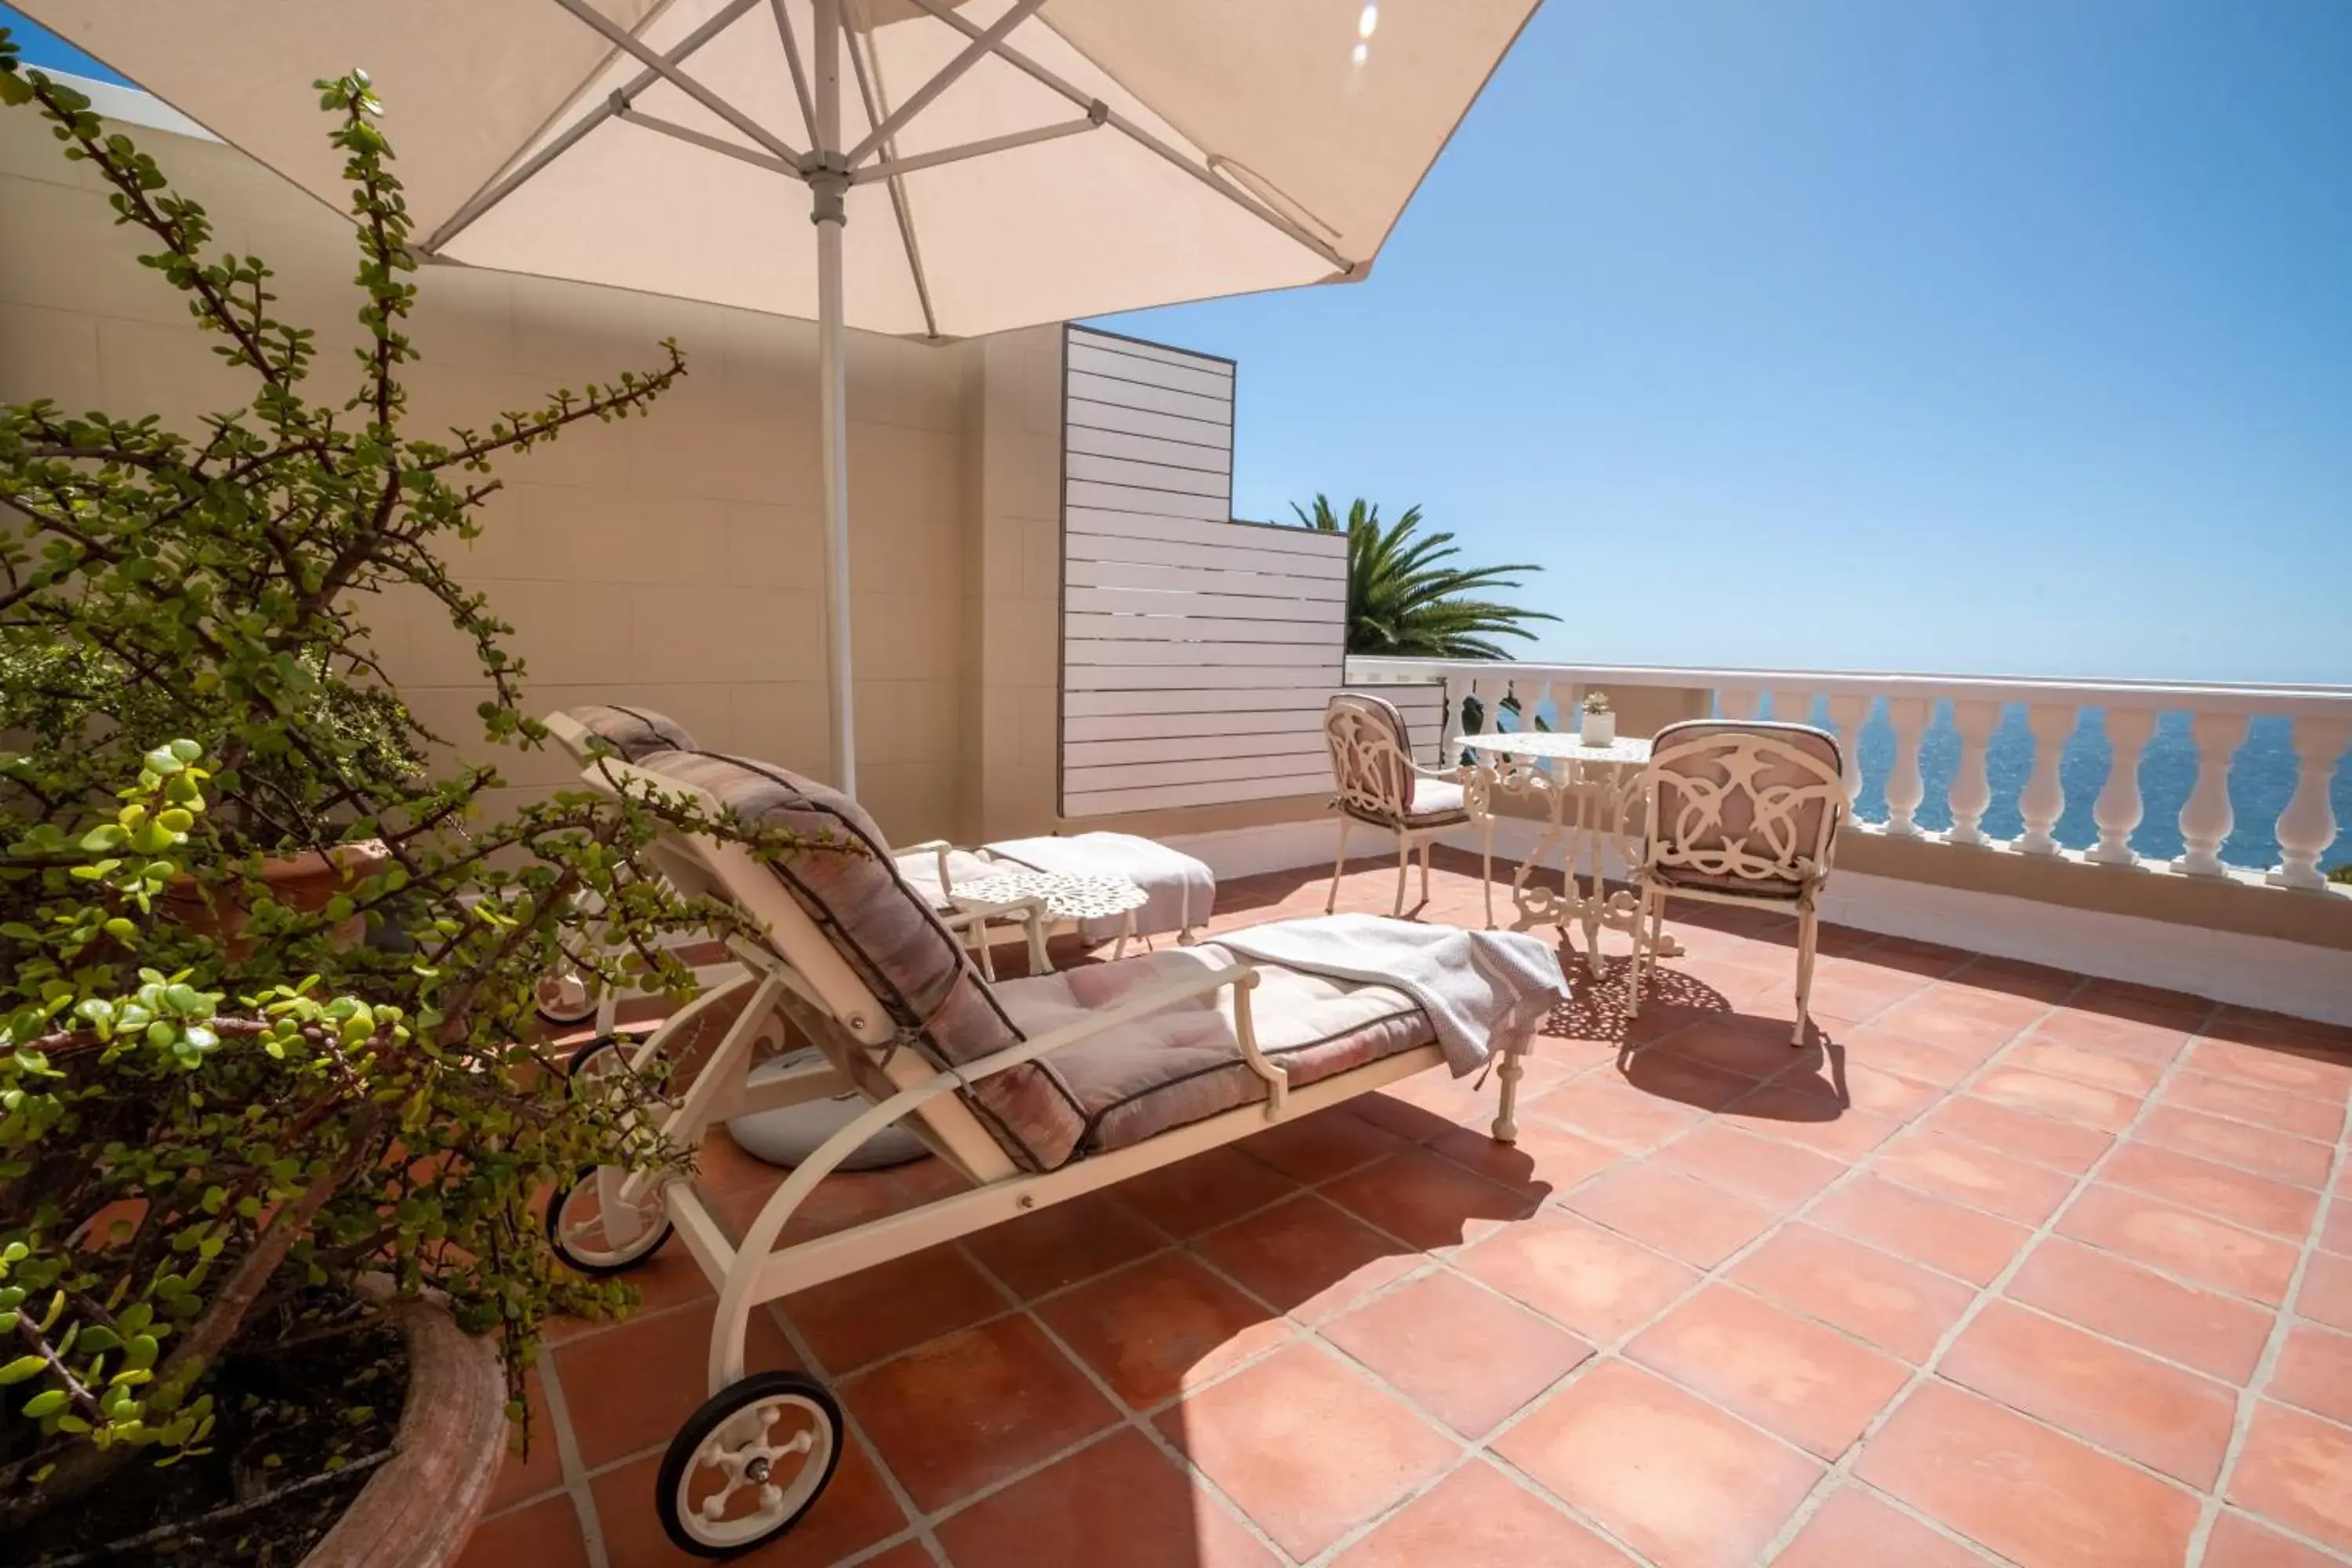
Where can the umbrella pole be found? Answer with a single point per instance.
(830, 188)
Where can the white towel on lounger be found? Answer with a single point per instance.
(1484, 990)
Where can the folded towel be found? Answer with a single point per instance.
(1484, 990)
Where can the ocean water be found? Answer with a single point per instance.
(2262, 781)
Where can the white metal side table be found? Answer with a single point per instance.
(1584, 810)
(1064, 896)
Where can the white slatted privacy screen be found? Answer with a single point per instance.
(1197, 652)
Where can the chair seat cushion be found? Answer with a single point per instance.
(1777, 888)
(1184, 1064)
(920, 869)
(1436, 803)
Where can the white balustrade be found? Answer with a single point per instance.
(1906, 789)
(1847, 711)
(2220, 719)
(2206, 819)
(1971, 793)
(2044, 800)
(2118, 810)
(2307, 827)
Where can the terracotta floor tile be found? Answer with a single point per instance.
(2215, 1334)
(929, 1179)
(2297, 1470)
(1463, 1354)
(2238, 1541)
(2038, 1498)
(2326, 1293)
(2335, 1226)
(855, 1512)
(1975, 1246)
(2100, 1069)
(1406, 1120)
(1776, 1174)
(1477, 1515)
(1677, 1214)
(839, 1202)
(1732, 1048)
(1811, 1384)
(2280, 1063)
(2254, 1202)
(2258, 1103)
(2063, 1097)
(544, 1534)
(1865, 1085)
(1425, 1200)
(1896, 1306)
(1955, 1017)
(2263, 1150)
(2315, 1370)
(1858, 1529)
(2193, 1246)
(1209, 1189)
(1604, 1106)
(1062, 1245)
(2060, 1145)
(2132, 1404)
(1155, 1327)
(1307, 1256)
(1679, 1080)
(522, 1476)
(2016, 981)
(1318, 1147)
(1811, 1121)
(1666, 1472)
(1566, 1267)
(632, 1387)
(1121, 1503)
(861, 1318)
(1971, 1173)
(950, 1417)
(1894, 1051)
(2155, 1037)
(1308, 1448)
(1546, 1160)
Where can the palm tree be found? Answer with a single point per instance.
(1401, 602)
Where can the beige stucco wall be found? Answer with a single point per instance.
(672, 561)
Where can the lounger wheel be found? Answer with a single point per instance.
(564, 996)
(592, 1230)
(748, 1464)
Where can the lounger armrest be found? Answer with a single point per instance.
(937, 846)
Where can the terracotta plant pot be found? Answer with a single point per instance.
(418, 1508)
(304, 881)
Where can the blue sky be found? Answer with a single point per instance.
(1949, 334)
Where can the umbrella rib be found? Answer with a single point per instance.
(1141, 137)
(793, 58)
(645, 56)
(892, 168)
(694, 138)
(899, 206)
(499, 188)
(982, 44)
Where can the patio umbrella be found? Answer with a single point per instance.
(969, 165)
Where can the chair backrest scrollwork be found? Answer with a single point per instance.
(1372, 756)
(1754, 802)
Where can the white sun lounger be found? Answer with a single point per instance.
(1036, 1090)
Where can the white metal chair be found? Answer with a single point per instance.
(1376, 782)
(1036, 1089)
(1737, 813)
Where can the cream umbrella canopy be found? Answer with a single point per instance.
(969, 165)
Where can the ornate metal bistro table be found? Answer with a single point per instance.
(1584, 812)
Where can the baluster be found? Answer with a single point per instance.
(1528, 714)
(2206, 819)
(2307, 827)
(1449, 735)
(2118, 810)
(2044, 800)
(1847, 715)
(1904, 788)
(1738, 702)
(1792, 707)
(1971, 793)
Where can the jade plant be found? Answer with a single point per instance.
(201, 1122)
